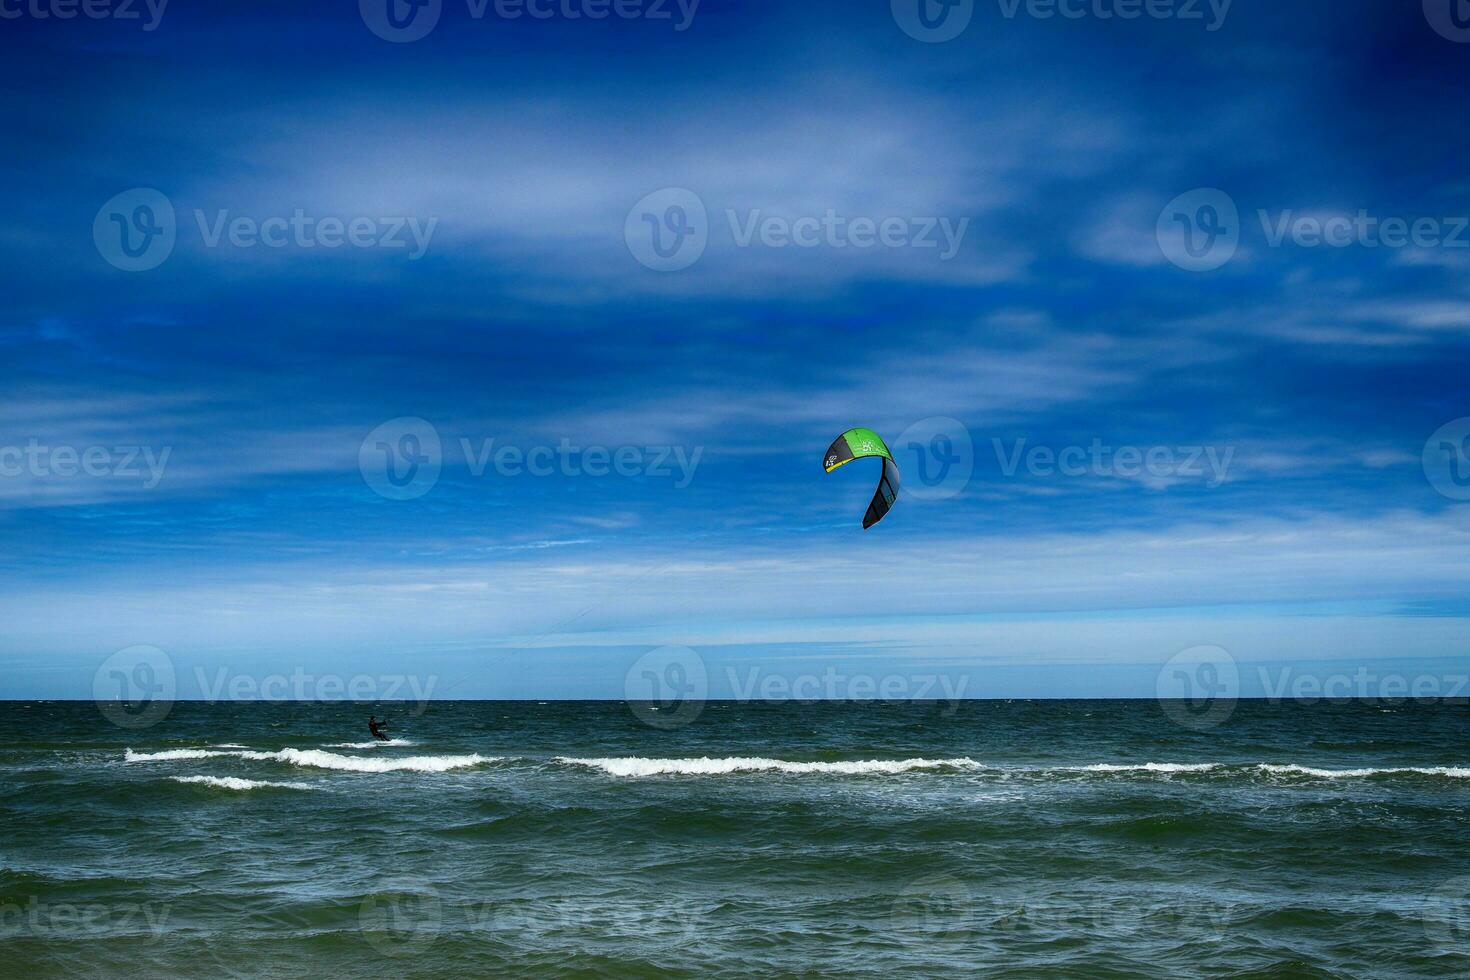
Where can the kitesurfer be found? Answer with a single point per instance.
(376, 727)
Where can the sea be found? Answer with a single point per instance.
(856, 839)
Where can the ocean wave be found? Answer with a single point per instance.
(1293, 769)
(172, 755)
(233, 782)
(373, 744)
(1148, 767)
(637, 766)
(1453, 772)
(319, 759)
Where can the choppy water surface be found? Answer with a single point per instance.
(1073, 838)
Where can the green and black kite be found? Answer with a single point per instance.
(856, 444)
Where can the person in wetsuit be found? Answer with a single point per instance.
(376, 727)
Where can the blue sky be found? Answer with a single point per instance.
(1029, 295)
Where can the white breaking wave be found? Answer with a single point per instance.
(228, 745)
(1149, 767)
(318, 759)
(636, 766)
(169, 755)
(232, 782)
(1453, 772)
(364, 745)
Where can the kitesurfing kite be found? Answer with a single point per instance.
(855, 444)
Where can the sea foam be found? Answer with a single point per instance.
(319, 759)
(637, 766)
(235, 783)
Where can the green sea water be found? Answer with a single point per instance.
(1009, 839)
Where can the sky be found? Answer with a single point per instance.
(496, 346)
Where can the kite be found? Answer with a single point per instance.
(856, 444)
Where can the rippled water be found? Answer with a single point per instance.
(1088, 839)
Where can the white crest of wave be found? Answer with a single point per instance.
(365, 745)
(637, 766)
(170, 755)
(234, 782)
(1453, 772)
(1151, 767)
(319, 759)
